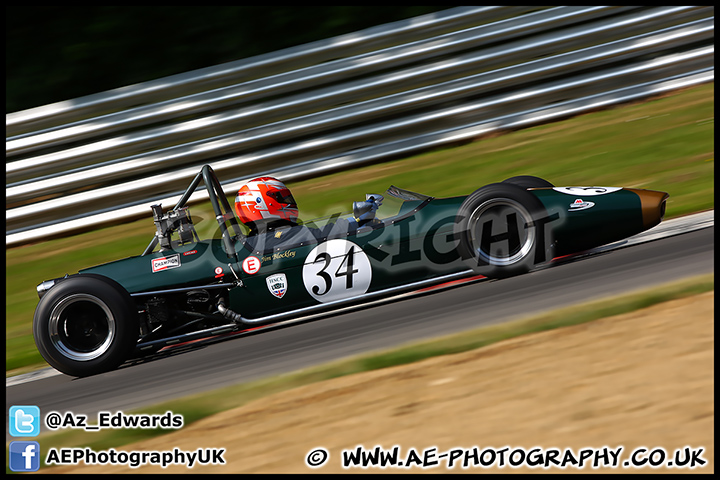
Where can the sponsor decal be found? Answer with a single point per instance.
(251, 265)
(277, 284)
(580, 204)
(587, 191)
(219, 272)
(165, 263)
(190, 252)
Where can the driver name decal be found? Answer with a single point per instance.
(336, 270)
(165, 263)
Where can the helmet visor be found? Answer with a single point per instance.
(282, 196)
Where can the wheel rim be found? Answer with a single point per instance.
(82, 327)
(508, 243)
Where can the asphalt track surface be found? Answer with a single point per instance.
(197, 368)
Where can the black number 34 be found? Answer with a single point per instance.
(348, 271)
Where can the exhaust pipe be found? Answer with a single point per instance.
(653, 206)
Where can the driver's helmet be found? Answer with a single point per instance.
(264, 200)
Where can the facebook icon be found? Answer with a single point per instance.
(24, 456)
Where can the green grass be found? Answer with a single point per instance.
(199, 406)
(663, 144)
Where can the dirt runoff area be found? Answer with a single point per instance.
(643, 379)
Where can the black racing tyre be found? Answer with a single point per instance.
(85, 325)
(528, 181)
(502, 231)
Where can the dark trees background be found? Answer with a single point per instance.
(60, 53)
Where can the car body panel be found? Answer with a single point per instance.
(600, 218)
(416, 245)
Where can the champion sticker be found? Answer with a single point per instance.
(251, 265)
(277, 284)
(165, 263)
(580, 204)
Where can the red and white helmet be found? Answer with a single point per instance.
(265, 199)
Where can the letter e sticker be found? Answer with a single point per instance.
(251, 265)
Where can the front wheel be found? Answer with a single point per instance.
(502, 231)
(85, 325)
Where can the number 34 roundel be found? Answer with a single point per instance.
(336, 270)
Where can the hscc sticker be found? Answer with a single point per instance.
(277, 284)
(165, 263)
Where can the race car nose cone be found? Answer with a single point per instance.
(653, 205)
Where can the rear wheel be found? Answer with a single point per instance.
(86, 324)
(502, 231)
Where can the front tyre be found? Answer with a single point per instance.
(502, 231)
(85, 325)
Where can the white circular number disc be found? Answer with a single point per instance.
(587, 191)
(336, 270)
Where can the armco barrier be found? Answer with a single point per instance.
(364, 97)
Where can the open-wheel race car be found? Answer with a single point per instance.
(182, 288)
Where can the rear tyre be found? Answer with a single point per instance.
(528, 181)
(502, 231)
(85, 325)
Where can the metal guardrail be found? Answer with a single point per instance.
(376, 94)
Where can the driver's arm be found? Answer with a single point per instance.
(364, 212)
